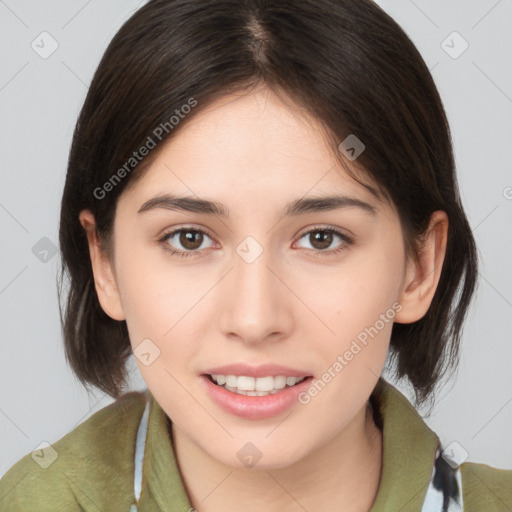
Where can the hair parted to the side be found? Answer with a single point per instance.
(345, 62)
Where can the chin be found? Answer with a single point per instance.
(250, 457)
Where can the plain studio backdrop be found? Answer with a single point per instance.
(49, 53)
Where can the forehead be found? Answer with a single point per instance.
(253, 146)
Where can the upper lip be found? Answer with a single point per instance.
(263, 370)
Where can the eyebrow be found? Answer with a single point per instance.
(294, 208)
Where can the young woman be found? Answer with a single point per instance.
(261, 206)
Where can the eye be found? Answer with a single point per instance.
(189, 238)
(321, 238)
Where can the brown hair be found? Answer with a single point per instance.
(348, 64)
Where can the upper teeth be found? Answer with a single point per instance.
(256, 384)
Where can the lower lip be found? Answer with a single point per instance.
(255, 407)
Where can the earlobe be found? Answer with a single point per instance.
(422, 275)
(104, 280)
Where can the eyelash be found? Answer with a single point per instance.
(316, 252)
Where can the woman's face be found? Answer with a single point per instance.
(253, 290)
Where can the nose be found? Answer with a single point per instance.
(256, 304)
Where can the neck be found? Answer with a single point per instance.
(346, 470)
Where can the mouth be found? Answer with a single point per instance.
(265, 394)
(255, 386)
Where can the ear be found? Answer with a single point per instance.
(104, 280)
(422, 275)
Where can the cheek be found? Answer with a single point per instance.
(157, 297)
(365, 287)
(358, 304)
(159, 305)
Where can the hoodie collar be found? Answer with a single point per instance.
(409, 450)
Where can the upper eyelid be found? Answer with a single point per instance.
(345, 238)
(311, 229)
(173, 231)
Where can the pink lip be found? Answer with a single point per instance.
(254, 407)
(263, 370)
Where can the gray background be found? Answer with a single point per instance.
(40, 99)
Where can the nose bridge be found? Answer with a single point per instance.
(256, 306)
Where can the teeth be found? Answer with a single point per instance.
(252, 386)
